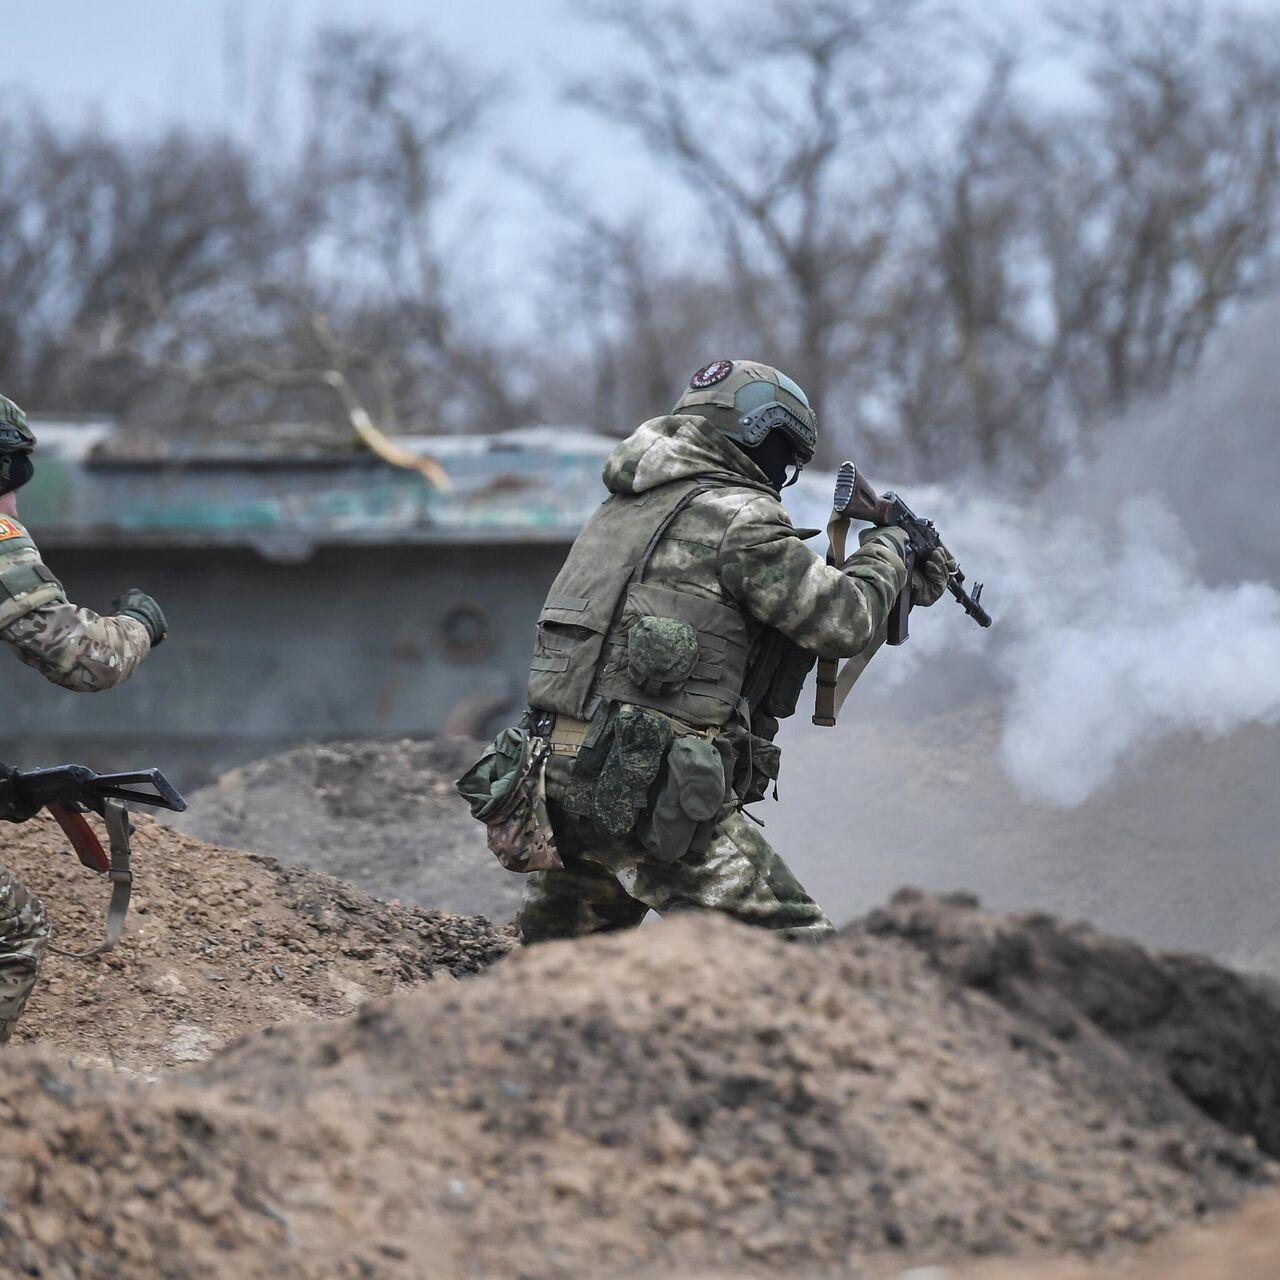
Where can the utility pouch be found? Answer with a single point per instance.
(758, 769)
(615, 769)
(788, 681)
(506, 790)
(661, 654)
(683, 815)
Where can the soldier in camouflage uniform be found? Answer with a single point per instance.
(75, 648)
(678, 633)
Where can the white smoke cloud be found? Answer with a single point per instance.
(1140, 600)
(1115, 643)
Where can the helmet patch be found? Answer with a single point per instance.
(710, 374)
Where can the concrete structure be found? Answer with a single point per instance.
(311, 594)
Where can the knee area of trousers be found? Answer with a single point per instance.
(23, 919)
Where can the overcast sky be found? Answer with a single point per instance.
(142, 63)
(139, 61)
(146, 63)
(139, 58)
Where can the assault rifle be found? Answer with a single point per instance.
(855, 499)
(69, 791)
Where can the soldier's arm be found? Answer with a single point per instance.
(833, 612)
(75, 648)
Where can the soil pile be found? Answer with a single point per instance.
(1213, 1034)
(695, 1097)
(383, 815)
(1246, 1248)
(218, 944)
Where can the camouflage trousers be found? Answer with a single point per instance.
(610, 883)
(24, 937)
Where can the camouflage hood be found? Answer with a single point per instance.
(678, 447)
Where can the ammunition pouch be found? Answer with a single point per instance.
(506, 789)
(784, 691)
(617, 766)
(646, 775)
(689, 799)
(758, 768)
(662, 654)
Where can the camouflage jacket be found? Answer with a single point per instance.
(75, 648)
(732, 546)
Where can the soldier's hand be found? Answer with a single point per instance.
(137, 604)
(929, 578)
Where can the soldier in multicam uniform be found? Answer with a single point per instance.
(678, 633)
(75, 648)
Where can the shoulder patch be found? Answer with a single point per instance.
(9, 529)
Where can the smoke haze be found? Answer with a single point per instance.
(1110, 746)
(1141, 599)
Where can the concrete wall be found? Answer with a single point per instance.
(356, 641)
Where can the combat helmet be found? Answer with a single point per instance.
(746, 400)
(16, 444)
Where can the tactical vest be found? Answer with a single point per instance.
(605, 633)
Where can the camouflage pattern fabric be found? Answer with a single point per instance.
(612, 884)
(75, 648)
(24, 937)
(733, 545)
(736, 544)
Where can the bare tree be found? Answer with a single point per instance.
(779, 127)
(1081, 257)
(985, 285)
(955, 271)
(1177, 164)
(137, 275)
(391, 119)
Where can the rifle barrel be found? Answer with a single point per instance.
(969, 603)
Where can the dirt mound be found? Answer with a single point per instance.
(383, 815)
(218, 944)
(1245, 1248)
(1214, 1035)
(693, 1097)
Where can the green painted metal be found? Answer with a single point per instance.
(311, 596)
(538, 484)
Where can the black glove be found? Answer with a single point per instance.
(930, 578)
(12, 807)
(137, 604)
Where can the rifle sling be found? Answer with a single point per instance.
(835, 682)
(116, 817)
(825, 706)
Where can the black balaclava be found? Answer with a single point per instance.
(773, 455)
(18, 472)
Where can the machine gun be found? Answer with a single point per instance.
(69, 791)
(855, 499)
